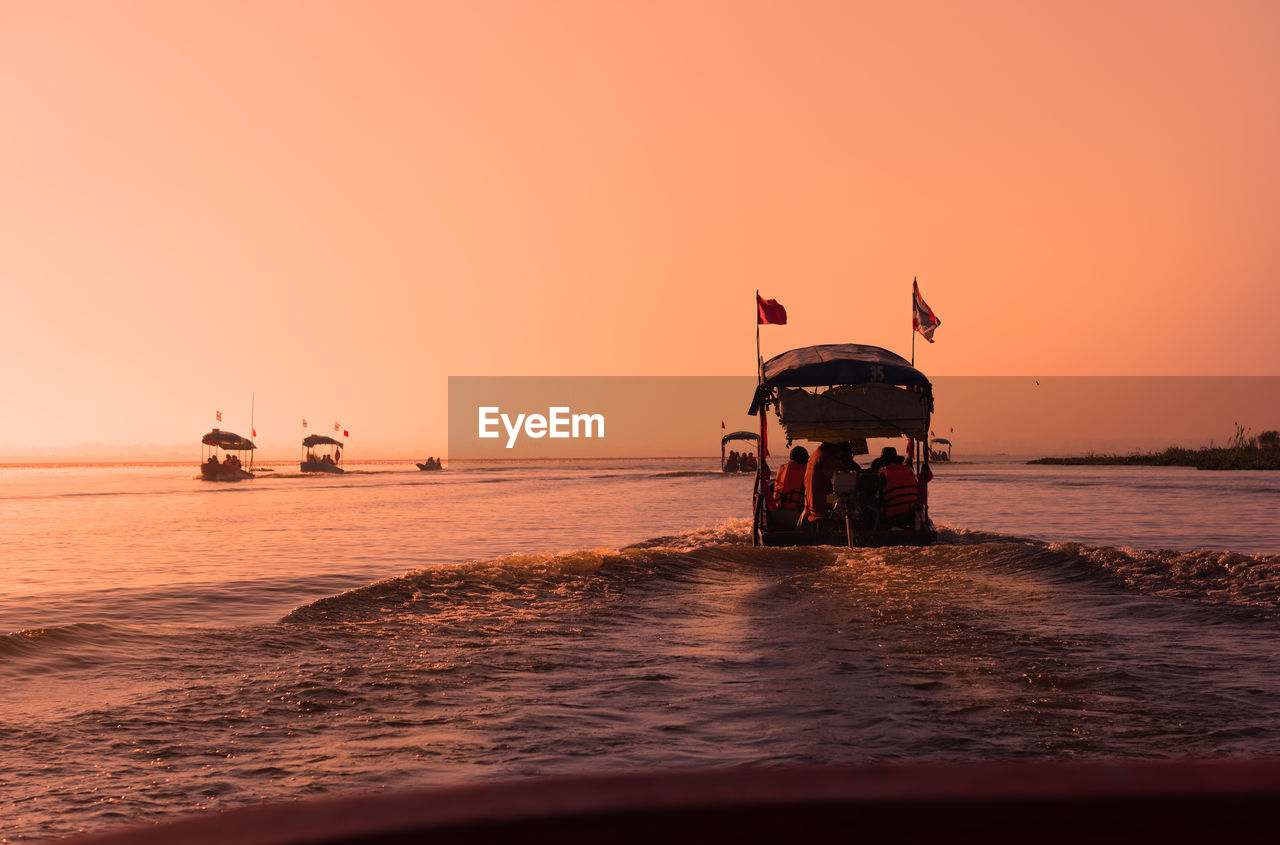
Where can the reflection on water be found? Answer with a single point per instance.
(192, 646)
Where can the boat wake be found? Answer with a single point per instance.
(531, 582)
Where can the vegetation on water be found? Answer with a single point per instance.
(1241, 452)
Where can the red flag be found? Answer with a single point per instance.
(770, 312)
(722, 423)
(255, 432)
(922, 316)
(218, 414)
(346, 433)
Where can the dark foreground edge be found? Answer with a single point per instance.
(1080, 803)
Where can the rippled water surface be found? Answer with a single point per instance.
(175, 645)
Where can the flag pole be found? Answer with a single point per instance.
(252, 432)
(913, 322)
(759, 360)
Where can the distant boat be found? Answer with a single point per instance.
(221, 458)
(746, 462)
(943, 453)
(430, 465)
(323, 454)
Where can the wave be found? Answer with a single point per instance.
(698, 473)
(520, 582)
(548, 582)
(69, 645)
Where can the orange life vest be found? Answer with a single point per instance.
(901, 490)
(788, 492)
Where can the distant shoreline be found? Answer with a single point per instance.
(1230, 458)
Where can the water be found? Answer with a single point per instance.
(177, 645)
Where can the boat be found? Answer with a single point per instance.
(222, 456)
(943, 452)
(430, 465)
(736, 465)
(323, 454)
(835, 394)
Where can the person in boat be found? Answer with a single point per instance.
(844, 453)
(232, 461)
(818, 475)
(731, 463)
(213, 460)
(899, 488)
(788, 489)
(748, 462)
(888, 455)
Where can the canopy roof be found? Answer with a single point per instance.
(841, 363)
(319, 439)
(941, 440)
(227, 440)
(739, 435)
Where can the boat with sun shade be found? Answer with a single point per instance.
(838, 396)
(222, 456)
(737, 462)
(322, 453)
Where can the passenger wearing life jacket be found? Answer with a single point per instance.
(899, 488)
(731, 463)
(788, 490)
(818, 473)
(748, 462)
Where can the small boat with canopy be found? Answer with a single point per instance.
(940, 449)
(222, 456)
(322, 454)
(839, 395)
(735, 462)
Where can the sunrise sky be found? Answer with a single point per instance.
(335, 206)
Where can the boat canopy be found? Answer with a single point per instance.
(841, 363)
(739, 435)
(871, 392)
(942, 440)
(318, 440)
(227, 440)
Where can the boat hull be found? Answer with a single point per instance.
(223, 473)
(321, 466)
(861, 539)
(426, 468)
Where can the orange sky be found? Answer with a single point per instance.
(337, 206)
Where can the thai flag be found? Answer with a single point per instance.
(923, 319)
(218, 414)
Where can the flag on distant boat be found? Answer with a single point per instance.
(923, 319)
(722, 423)
(218, 414)
(346, 433)
(769, 312)
(304, 422)
(255, 432)
(337, 427)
